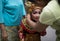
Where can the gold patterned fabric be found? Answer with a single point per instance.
(28, 36)
(32, 37)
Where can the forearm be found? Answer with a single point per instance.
(3, 28)
(4, 33)
(40, 27)
(31, 23)
(37, 26)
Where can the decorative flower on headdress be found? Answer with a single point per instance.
(30, 6)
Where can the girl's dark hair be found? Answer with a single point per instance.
(31, 0)
(58, 2)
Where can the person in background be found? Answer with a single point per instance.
(1, 23)
(11, 13)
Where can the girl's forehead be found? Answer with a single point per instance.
(39, 8)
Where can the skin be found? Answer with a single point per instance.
(35, 14)
(36, 25)
(4, 33)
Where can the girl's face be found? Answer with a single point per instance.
(35, 14)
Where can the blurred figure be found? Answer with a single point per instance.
(11, 13)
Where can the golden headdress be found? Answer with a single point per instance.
(29, 6)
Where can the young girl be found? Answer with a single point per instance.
(26, 33)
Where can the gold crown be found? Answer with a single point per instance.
(30, 6)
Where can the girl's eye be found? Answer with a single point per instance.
(36, 12)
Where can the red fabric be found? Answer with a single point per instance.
(23, 26)
(41, 33)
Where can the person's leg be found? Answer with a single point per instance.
(12, 33)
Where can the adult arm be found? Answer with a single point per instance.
(46, 18)
(4, 34)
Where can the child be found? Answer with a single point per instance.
(26, 33)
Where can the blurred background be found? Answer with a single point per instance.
(51, 36)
